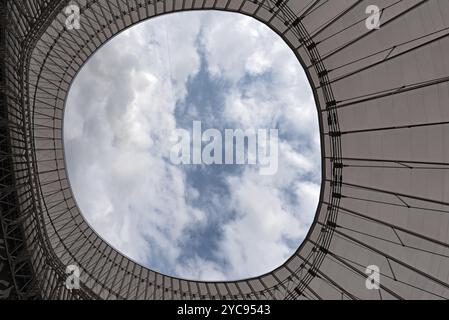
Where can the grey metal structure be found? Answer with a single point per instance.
(383, 102)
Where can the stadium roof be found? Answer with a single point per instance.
(382, 97)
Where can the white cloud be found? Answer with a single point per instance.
(121, 112)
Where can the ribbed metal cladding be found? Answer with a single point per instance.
(382, 97)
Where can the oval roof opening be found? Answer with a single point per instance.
(192, 145)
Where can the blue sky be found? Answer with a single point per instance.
(198, 222)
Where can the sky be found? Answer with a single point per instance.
(201, 222)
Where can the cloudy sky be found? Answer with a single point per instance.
(197, 222)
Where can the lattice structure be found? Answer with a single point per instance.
(383, 103)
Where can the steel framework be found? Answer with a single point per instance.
(382, 97)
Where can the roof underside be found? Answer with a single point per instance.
(383, 103)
